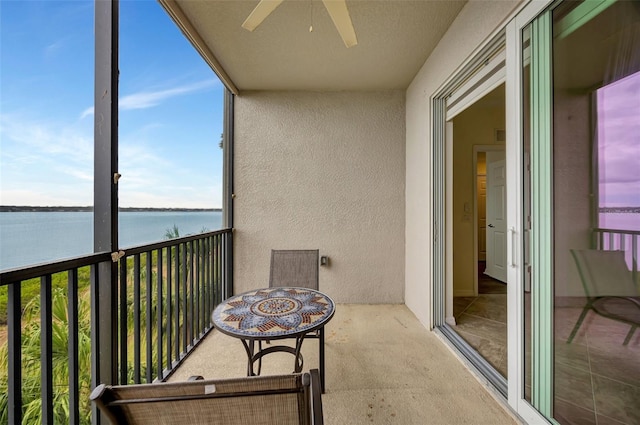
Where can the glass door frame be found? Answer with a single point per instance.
(511, 39)
(541, 338)
(481, 74)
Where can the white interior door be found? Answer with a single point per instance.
(496, 216)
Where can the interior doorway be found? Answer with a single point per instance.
(478, 217)
(490, 211)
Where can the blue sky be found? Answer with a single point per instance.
(170, 118)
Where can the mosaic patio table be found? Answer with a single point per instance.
(271, 314)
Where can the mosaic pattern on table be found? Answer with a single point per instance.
(273, 312)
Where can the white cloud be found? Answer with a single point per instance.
(45, 163)
(47, 197)
(77, 173)
(53, 48)
(87, 112)
(152, 98)
(38, 138)
(149, 99)
(50, 161)
(162, 197)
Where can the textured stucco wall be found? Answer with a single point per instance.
(322, 170)
(475, 22)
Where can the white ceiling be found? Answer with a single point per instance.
(395, 37)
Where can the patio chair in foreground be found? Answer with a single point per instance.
(609, 287)
(293, 399)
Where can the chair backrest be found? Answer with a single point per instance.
(294, 268)
(604, 273)
(257, 400)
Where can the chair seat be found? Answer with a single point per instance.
(293, 399)
(609, 288)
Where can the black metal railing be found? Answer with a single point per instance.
(621, 240)
(166, 293)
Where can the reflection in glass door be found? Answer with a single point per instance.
(581, 121)
(596, 183)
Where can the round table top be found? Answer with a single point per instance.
(273, 313)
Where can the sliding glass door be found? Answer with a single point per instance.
(576, 225)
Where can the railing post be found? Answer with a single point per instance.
(105, 213)
(46, 350)
(14, 320)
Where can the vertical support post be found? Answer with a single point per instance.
(105, 201)
(228, 195)
(227, 176)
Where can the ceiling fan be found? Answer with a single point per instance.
(337, 10)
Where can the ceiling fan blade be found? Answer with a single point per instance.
(340, 15)
(260, 13)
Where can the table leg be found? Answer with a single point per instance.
(253, 355)
(249, 347)
(321, 360)
(297, 368)
(260, 359)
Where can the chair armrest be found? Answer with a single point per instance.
(317, 417)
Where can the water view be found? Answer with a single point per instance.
(28, 238)
(620, 221)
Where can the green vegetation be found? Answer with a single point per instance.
(30, 289)
(172, 233)
(31, 399)
(31, 379)
(135, 306)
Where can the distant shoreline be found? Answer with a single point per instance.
(22, 208)
(620, 210)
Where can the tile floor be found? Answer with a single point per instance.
(482, 321)
(597, 378)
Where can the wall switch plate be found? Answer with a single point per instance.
(324, 260)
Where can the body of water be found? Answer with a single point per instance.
(28, 238)
(620, 221)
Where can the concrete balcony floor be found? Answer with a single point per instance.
(382, 367)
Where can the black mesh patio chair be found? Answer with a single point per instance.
(299, 268)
